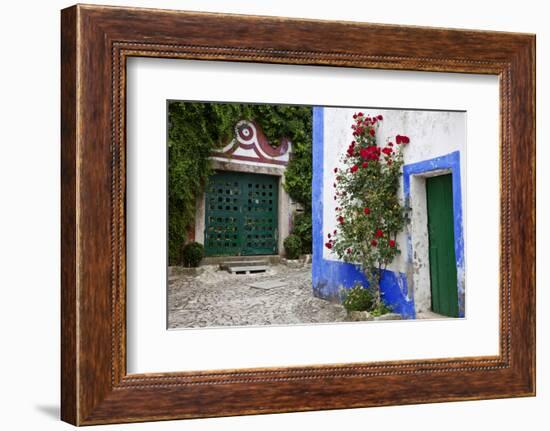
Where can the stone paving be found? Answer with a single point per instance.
(217, 298)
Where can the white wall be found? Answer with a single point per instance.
(432, 134)
(29, 220)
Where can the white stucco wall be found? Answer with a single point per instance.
(432, 134)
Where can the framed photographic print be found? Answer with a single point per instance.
(286, 220)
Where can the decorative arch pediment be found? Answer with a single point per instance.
(251, 145)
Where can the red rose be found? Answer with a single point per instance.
(329, 235)
(354, 168)
(328, 245)
(371, 131)
(387, 151)
(379, 117)
(392, 243)
(335, 170)
(366, 211)
(334, 233)
(374, 243)
(333, 184)
(390, 144)
(359, 114)
(370, 153)
(379, 233)
(365, 164)
(349, 250)
(340, 219)
(400, 139)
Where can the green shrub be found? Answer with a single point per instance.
(358, 298)
(380, 309)
(302, 228)
(193, 253)
(293, 246)
(299, 171)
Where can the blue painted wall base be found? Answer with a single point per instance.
(393, 286)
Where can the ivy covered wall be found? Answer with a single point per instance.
(195, 129)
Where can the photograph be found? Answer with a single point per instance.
(293, 214)
(305, 214)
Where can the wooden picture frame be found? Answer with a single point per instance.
(95, 43)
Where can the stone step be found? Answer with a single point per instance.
(247, 269)
(258, 262)
(216, 260)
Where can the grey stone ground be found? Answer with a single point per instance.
(217, 298)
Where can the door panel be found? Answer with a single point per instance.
(223, 216)
(241, 214)
(260, 215)
(443, 278)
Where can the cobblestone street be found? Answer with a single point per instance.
(218, 298)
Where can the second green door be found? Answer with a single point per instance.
(439, 196)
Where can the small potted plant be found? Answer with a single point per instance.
(358, 301)
(293, 248)
(361, 304)
(192, 255)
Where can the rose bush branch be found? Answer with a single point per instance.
(368, 212)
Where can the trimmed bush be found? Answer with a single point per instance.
(193, 253)
(293, 246)
(302, 228)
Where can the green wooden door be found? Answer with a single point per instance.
(439, 196)
(241, 214)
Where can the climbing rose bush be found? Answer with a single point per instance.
(368, 212)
